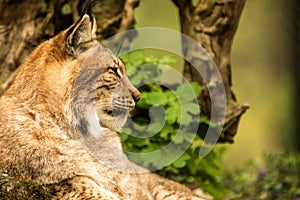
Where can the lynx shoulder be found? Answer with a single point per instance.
(72, 90)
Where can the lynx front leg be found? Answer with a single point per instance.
(164, 189)
(82, 188)
(163, 193)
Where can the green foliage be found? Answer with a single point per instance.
(169, 112)
(280, 179)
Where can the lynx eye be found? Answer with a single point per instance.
(117, 71)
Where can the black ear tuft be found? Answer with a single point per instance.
(85, 7)
(84, 30)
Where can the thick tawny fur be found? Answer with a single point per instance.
(58, 128)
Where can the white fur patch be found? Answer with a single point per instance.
(93, 122)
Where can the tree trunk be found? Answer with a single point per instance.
(19, 32)
(213, 23)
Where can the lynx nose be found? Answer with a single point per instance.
(136, 95)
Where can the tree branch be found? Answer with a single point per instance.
(182, 3)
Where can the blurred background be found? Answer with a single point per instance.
(265, 74)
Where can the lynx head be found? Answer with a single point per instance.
(101, 84)
(115, 96)
(73, 79)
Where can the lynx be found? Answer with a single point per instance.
(60, 119)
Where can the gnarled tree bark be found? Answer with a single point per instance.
(25, 24)
(21, 24)
(213, 23)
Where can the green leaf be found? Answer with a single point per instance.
(155, 127)
(204, 120)
(139, 142)
(156, 98)
(123, 137)
(142, 103)
(185, 120)
(149, 149)
(192, 108)
(194, 166)
(189, 137)
(136, 78)
(156, 88)
(151, 59)
(178, 138)
(172, 169)
(197, 143)
(157, 115)
(167, 60)
(181, 162)
(172, 98)
(133, 58)
(166, 131)
(173, 115)
(197, 88)
(185, 92)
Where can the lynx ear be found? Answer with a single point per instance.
(83, 31)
